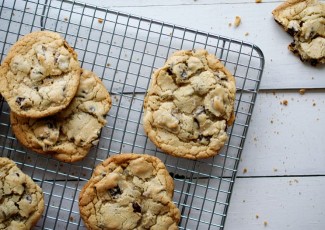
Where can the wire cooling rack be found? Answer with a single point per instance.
(124, 50)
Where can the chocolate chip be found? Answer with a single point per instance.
(204, 139)
(184, 74)
(196, 121)
(169, 71)
(28, 198)
(313, 62)
(50, 125)
(291, 31)
(18, 174)
(136, 207)
(92, 109)
(44, 48)
(19, 100)
(114, 192)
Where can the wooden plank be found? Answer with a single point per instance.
(286, 140)
(287, 203)
(282, 69)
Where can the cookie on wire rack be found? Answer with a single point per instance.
(305, 21)
(189, 105)
(69, 134)
(21, 199)
(129, 191)
(40, 75)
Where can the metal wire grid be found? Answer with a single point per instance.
(124, 50)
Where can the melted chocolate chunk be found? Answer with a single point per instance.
(114, 192)
(19, 100)
(170, 72)
(136, 207)
(29, 198)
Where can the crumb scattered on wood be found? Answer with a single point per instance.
(314, 104)
(237, 21)
(265, 223)
(229, 24)
(65, 18)
(100, 20)
(275, 169)
(258, 1)
(257, 216)
(108, 65)
(71, 218)
(284, 102)
(246, 34)
(302, 91)
(245, 170)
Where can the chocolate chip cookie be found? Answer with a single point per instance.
(189, 104)
(305, 21)
(69, 134)
(21, 199)
(40, 75)
(129, 191)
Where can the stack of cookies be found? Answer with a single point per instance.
(56, 107)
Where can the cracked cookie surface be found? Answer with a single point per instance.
(40, 75)
(305, 21)
(21, 199)
(189, 104)
(69, 134)
(129, 191)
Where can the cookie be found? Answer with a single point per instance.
(129, 191)
(21, 199)
(189, 105)
(305, 21)
(40, 75)
(69, 134)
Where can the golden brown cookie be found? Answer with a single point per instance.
(21, 199)
(40, 75)
(189, 104)
(68, 135)
(129, 191)
(305, 21)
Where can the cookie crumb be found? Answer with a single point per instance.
(71, 218)
(284, 102)
(257, 216)
(65, 18)
(100, 20)
(258, 1)
(265, 223)
(275, 169)
(271, 121)
(314, 104)
(302, 91)
(245, 170)
(108, 65)
(246, 34)
(229, 24)
(237, 21)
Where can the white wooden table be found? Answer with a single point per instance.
(281, 179)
